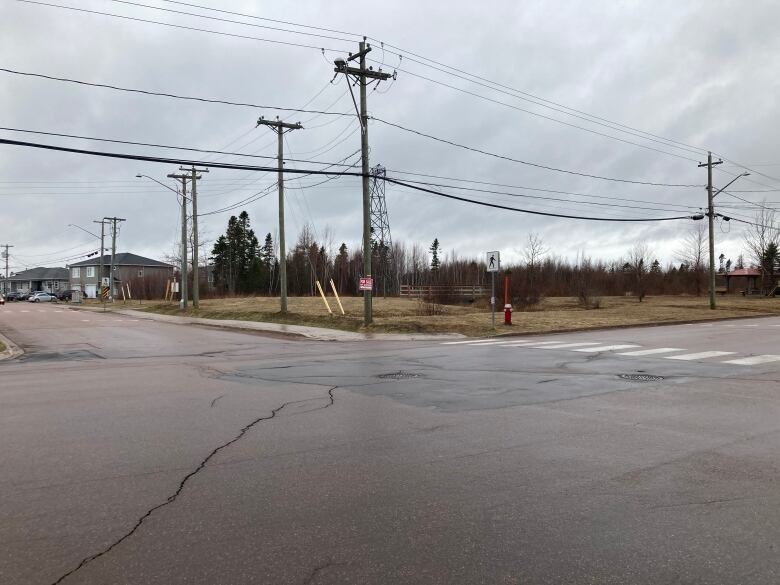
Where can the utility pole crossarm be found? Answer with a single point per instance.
(369, 73)
(261, 121)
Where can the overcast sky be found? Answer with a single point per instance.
(700, 73)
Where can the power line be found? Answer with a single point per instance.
(153, 145)
(537, 114)
(287, 22)
(218, 19)
(181, 26)
(169, 95)
(545, 198)
(171, 161)
(526, 188)
(504, 207)
(461, 74)
(537, 165)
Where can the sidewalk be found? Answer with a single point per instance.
(317, 333)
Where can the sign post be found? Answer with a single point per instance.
(493, 266)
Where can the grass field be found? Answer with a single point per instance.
(2, 347)
(409, 315)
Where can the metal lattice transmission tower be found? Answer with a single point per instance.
(381, 240)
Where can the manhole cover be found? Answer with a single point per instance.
(399, 376)
(641, 377)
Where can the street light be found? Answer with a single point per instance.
(140, 176)
(183, 268)
(711, 217)
(83, 230)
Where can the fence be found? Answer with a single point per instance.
(436, 290)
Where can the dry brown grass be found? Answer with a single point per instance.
(408, 315)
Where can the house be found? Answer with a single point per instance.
(49, 280)
(143, 274)
(743, 279)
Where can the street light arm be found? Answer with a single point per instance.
(83, 230)
(730, 183)
(139, 176)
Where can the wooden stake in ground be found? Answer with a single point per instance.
(338, 300)
(324, 300)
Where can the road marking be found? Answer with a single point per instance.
(507, 343)
(58, 311)
(470, 341)
(705, 324)
(25, 311)
(559, 345)
(85, 320)
(698, 356)
(751, 325)
(754, 360)
(653, 351)
(606, 348)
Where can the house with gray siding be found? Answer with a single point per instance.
(128, 268)
(49, 280)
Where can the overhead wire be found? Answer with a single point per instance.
(181, 26)
(536, 165)
(185, 162)
(171, 95)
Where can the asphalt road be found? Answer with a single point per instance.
(138, 452)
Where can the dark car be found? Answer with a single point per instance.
(64, 295)
(15, 295)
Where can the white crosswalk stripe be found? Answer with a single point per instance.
(754, 360)
(653, 351)
(698, 356)
(600, 346)
(559, 345)
(606, 348)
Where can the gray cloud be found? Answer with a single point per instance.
(699, 73)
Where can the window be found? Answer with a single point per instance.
(90, 272)
(75, 272)
(56, 285)
(140, 272)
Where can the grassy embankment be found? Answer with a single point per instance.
(410, 315)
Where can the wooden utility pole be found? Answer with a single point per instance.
(362, 75)
(281, 128)
(194, 178)
(102, 223)
(5, 255)
(711, 221)
(114, 221)
(183, 287)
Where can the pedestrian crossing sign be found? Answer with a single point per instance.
(493, 261)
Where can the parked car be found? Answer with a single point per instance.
(42, 297)
(14, 295)
(64, 295)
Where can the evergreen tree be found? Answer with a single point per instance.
(220, 263)
(434, 250)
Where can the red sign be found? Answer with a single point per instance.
(366, 283)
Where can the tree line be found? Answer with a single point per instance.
(241, 266)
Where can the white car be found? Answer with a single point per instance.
(42, 297)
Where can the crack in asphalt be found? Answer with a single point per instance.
(213, 402)
(319, 568)
(172, 498)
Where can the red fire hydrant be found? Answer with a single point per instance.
(507, 306)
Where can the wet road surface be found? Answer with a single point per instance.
(142, 452)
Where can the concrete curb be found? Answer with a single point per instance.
(11, 349)
(314, 333)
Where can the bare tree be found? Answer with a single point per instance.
(639, 264)
(693, 253)
(764, 231)
(534, 251)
